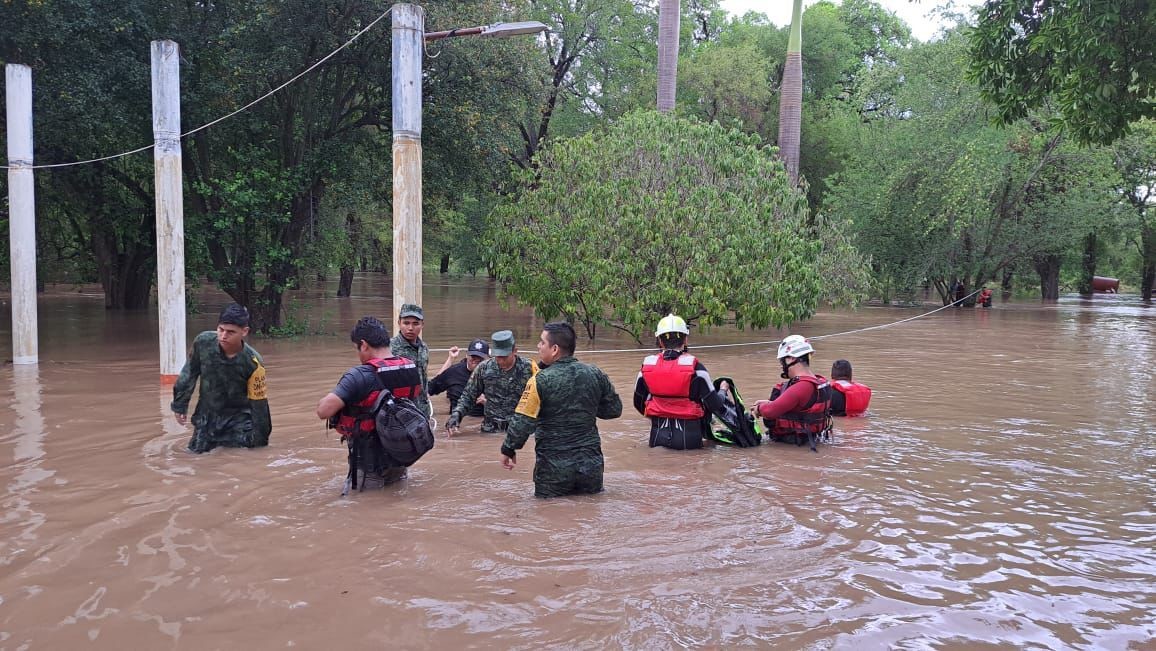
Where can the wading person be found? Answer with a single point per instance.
(675, 391)
(501, 378)
(799, 409)
(349, 407)
(849, 398)
(559, 407)
(452, 378)
(233, 409)
(408, 343)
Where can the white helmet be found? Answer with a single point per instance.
(671, 323)
(794, 346)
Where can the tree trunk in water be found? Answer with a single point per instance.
(1048, 267)
(1148, 257)
(669, 17)
(345, 284)
(444, 264)
(127, 277)
(265, 312)
(791, 97)
(1089, 262)
(1005, 283)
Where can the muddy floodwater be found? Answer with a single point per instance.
(999, 494)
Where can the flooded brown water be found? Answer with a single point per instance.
(1000, 493)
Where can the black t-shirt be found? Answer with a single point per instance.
(362, 380)
(838, 402)
(452, 381)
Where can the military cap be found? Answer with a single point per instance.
(409, 309)
(502, 343)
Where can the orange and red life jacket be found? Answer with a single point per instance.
(814, 418)
(857, 396)
(668, 381)
(358, 418)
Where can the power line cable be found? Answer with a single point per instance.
(222, 118)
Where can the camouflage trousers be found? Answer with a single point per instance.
(573, 472)
(230, 431)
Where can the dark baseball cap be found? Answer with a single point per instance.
(478, 348)
(409, 309)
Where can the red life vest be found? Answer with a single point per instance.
(814, 418)
(358, 418)
(857, 396)
(669, 383)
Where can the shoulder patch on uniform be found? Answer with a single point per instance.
(256, 384)
(530, 404)
(650, 360)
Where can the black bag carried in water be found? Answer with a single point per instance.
(739, 427)
(402, 428)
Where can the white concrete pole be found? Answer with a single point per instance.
(169, 207)
(408, 34)
(22, 213)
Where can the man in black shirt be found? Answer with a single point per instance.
(452, 378)
(349, 406)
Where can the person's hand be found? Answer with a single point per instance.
(724, 386)
(481, 399)
(509, 462)
(454, 352)
(452, 424)
(756, 409)
(181, 418)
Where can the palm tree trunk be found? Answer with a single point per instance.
(669, 15)
(791, 98)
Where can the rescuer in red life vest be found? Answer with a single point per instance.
(675, 390)
(800, 408)
(349, 406)
(849, 398)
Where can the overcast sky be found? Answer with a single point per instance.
(912, 13)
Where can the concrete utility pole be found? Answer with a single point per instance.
(409, 37)
(408, 28)
(22, 213)
(169, 206)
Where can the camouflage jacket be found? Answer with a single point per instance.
(502, 389)
(418, 353)
(228, 386)
(559, 406)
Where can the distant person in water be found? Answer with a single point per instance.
(849, 398)
(233, 408)
(984, 298)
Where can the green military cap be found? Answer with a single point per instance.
(409, 309)
(501, 343)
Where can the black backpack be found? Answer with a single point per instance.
(738, 427)
(403, 430)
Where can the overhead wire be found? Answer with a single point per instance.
(771, 342)
(223, 117)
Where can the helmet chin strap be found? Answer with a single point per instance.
(786, 367)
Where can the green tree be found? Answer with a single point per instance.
(1135, 160)
(1094, 60)
(659, 214)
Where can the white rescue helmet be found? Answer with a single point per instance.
(671, 323)
(794, 346)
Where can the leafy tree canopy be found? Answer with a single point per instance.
(659, 214)
(1096, 59)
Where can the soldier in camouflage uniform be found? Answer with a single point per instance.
(559, 407)
(408, 343)
(501, 378)
(233, 409)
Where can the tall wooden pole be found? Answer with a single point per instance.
(669, 18)
(169, 207)
(408, 28)
(22, 213)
